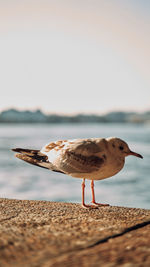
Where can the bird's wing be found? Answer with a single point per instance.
(77, 156)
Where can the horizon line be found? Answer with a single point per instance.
(75, 113)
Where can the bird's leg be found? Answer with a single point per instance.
(93, 196)
(93, 193)
(83, 195)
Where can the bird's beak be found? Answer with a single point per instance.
(135, 154)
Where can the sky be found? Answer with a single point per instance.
(75, 56)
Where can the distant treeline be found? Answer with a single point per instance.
(15, 116)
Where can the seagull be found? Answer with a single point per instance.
(92, 159)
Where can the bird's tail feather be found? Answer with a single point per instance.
(31, 156)
(25, 151)
(34, 157)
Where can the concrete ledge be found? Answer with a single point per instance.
(42, 233)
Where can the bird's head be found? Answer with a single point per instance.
(121, 148)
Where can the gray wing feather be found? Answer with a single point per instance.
(77, 163)
(85, 147)
(80, 157)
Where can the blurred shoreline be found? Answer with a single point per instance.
(37, 116)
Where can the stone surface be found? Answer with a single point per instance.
(42, 233)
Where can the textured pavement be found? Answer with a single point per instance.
(42, 233)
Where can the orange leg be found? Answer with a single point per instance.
(93, 196)
(83, 196)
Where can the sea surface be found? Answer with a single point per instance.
(20, 180)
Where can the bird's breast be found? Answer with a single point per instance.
(111, 168)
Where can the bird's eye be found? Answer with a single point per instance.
(121, 147)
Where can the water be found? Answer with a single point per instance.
(130, 187)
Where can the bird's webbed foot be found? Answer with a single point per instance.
(99, 204)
